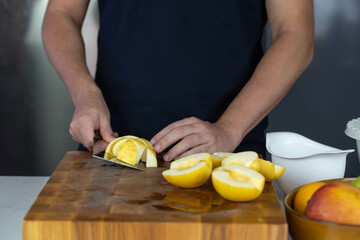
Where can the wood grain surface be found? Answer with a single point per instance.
(86, 198)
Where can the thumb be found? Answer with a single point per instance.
(106, 131)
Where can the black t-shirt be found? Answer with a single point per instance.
(160, 61)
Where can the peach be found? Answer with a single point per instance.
(337, 202)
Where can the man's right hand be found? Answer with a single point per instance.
(91, 115)
(63, 42)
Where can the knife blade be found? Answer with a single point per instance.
(140, 166)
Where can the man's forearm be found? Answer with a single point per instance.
(276, 73)
(65, 48)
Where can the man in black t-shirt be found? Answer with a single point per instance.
(190, 76)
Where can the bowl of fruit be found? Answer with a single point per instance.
(328, 209)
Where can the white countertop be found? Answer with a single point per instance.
(17, 194)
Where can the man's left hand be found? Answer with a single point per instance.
(192, 135)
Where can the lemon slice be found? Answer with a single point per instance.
(129, 151)
(109, 154)
(238, 183)
(143, 149)
(149, 156)
(270, 170)
(189, 172)
(248, 159)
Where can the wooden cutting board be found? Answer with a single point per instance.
(86, 198)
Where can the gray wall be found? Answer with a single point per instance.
(36, 109)
(327, 95)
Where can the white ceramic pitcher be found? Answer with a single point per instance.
(304, 159)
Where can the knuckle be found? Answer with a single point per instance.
(179, 131)
(195, 119)
(201, 126)
(82, 119)
(174, 153)
(71, 132)
(191, 119)
(72, 125)
(188, 141)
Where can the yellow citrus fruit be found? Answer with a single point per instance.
(304, 194)
(270, 170)
(251, 160)
(109, 154)
(216, 160)
(149, 156)
(237, 183)
(131, 149)
(189, 172)
(248, 159)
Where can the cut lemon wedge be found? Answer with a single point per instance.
(131, 149)
(248, 159)
(149, 156)
(109, 154)
(270, 170)
(189, 172)
(237, 183)
(251, 160)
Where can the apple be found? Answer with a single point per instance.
(337, 202)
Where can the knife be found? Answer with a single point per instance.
(140, 166)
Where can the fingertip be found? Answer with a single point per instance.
(89, 145)
(108, 137)
(157, 148)
(107, 134)
(106, 131)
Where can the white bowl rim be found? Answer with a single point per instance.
(327, 149)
